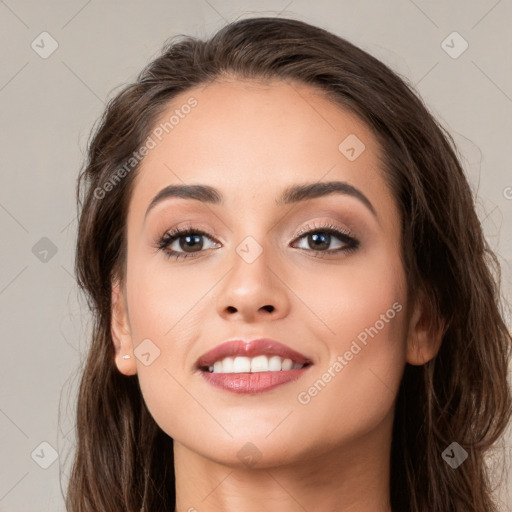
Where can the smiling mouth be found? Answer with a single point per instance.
(256, 364)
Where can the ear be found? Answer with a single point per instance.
(424, 340)
(121, 332)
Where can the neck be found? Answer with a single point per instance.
(351, 478)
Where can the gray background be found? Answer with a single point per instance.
(49, 105)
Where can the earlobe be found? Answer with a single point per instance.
(121, 333)
(424, 335)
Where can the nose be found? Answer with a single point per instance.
(253, 291)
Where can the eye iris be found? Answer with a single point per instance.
(320, 240)
(190, 240)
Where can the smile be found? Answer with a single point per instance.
(256, 364)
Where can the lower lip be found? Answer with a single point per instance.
(252, 382)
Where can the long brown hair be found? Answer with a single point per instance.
(123, 460)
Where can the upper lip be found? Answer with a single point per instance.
(256, 347)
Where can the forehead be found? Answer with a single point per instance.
(253, 139)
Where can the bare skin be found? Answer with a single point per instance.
(323, 451)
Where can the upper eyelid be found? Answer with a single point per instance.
(183, 230)
(325, 225)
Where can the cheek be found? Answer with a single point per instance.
(163, 299)
(354, 299)
(165, 309)
(363, 312)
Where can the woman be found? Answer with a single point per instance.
(295, 307)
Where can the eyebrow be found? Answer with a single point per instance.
(292, 194)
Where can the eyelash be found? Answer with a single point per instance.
(330, 229)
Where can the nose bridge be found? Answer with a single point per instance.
(252, 286)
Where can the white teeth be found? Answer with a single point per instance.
(287, 364)
(227, 365)
(242, 364)
(259, 364)
(274, 364)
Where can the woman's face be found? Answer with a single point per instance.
(265, 269)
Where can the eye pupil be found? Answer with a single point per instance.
(190, 240)
(322, 238)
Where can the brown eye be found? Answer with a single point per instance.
(181, 242)
(190, 242)
(320, 239)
